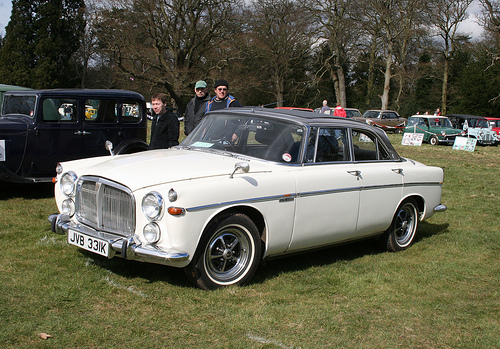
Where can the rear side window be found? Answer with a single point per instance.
(367, 148)
(59, 110)
(131, 112)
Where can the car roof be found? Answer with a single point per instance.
(490, 118)
(429, 116)
(81, 93)
(465, 116)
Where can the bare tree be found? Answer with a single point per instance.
(279, 37)
(168, 43)
(446, 16)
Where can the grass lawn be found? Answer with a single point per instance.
(443, 292)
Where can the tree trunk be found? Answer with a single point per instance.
(387, 77)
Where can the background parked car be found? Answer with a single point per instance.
(495, 125)
(39, 128)
(4, 88)
(476, 126)
(436, 129)
(353, 113)
(388, 120)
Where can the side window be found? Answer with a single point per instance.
(101, 111)
(367, 148)
(131, 112)
(59, 110)
(327, 145)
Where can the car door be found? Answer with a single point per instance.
(56, 134)
(327, 191)
(380, 180)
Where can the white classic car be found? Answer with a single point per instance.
(247, 185)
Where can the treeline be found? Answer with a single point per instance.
(404, 55)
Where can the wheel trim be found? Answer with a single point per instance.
(228, 254)
(405, 225)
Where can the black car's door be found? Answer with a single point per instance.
(56, 135)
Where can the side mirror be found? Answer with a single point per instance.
(243, 166)
(109, 147)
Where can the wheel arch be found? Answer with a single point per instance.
(420, 203)
(252, 213)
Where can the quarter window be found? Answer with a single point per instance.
(101, 111)
(367, 148)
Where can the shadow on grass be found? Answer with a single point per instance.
(268, 269)
(26, 191)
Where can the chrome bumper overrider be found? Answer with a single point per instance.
(440, 208)
(125, 247)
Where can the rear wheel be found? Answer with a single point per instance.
(228, 254)
(403, 229)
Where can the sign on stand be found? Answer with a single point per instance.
(412, 139)
(465, 143)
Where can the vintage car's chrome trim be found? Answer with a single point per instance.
(291, 197)
(123, 247)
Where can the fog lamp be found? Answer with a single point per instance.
(151, 233)
(68, 207)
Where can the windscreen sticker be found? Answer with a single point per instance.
(202, 144)
(2, 150)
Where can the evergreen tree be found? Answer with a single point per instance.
(40, 39)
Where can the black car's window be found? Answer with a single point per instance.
(59, 110)
(101, 111)
(367, 148)
(131, 112)
(327, 145)
(15, 104)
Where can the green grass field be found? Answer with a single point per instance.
(443, 292)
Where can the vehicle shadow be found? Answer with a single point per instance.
(26, 191)
(268, 269)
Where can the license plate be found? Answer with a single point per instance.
(88, 243)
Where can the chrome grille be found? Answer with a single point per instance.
(105, 205)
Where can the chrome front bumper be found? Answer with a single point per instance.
(124, 247)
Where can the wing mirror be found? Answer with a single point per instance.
(109, 147)
(242, 166)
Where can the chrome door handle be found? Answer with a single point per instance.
(356, 173)
(397, 170)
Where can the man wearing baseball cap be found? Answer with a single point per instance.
(222, 98)
(195, 109)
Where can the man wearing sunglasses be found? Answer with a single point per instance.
(222, 98)
(195, 109)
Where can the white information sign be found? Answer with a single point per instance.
(412, 139)
(465, 143)
(2, 150)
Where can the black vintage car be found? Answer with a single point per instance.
(39, 128)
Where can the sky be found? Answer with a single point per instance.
(469, 26)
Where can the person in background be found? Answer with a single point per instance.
(437, 112)
(325, 109)
(339, 111)
(195, 109)
(222, 98)
(165, 127)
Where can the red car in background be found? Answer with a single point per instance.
(495, 124)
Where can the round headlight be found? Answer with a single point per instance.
(68, 183)
(68, 207)
(152, 205)
(151, 233)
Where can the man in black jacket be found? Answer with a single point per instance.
(165, 127)
(195, 109)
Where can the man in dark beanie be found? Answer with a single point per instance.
(222, 99)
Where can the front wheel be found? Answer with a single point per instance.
(228, 254)
(433, 140)
(403, 229)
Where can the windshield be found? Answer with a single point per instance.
(268, 139)
(351, 113)
(16, 104)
